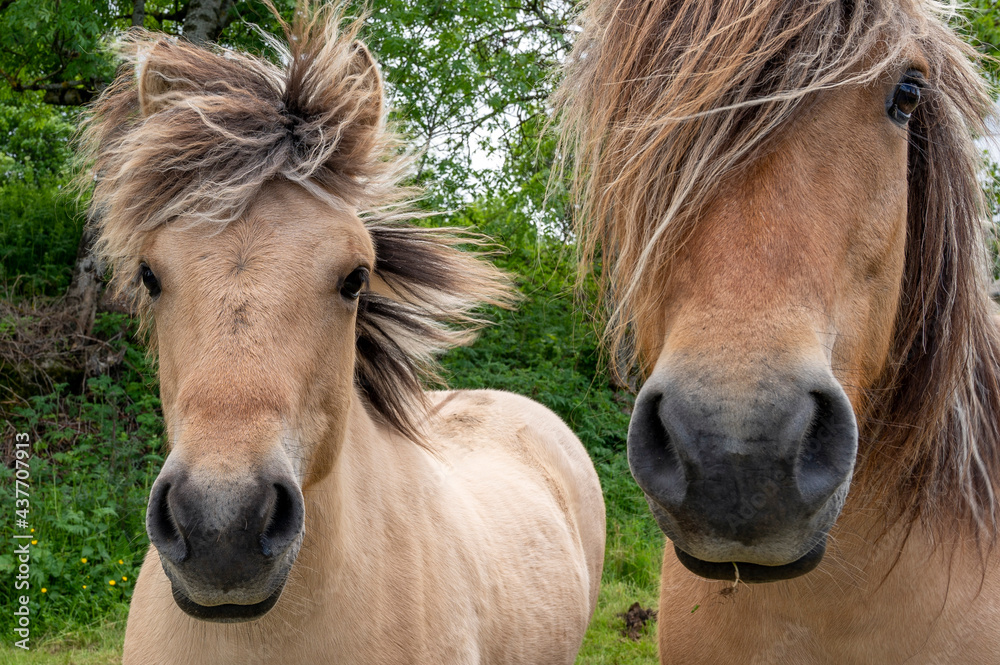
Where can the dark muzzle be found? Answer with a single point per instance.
(756, 480)
(226, 547)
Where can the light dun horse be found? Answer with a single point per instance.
(313, 491)
(785, 197)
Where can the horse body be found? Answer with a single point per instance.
(317, 505)
(786, 200)
(409, 556)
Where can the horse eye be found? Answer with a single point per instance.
(905, 97)
(149, 280)
(353, 283)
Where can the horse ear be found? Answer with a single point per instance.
(370, 79)
(366, 124)
(153, 81)
(160, 77)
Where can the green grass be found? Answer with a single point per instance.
(99, 644)
(605, 644)
(94, 458)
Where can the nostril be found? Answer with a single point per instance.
(652, 452)
(161, 526)
(827, 452)
(285, 522)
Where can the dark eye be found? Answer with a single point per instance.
(905, 97)
(353, 283)
(149, 280)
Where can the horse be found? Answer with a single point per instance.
(784, 199)
(317, 505)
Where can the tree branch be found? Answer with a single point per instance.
(63, 93)
(177, 16)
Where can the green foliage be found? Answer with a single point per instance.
(94, 457)
(40, 229)
(34, 140)
(40, 224)
(983, 31)
(467, 81)
(465, 77)
(991, 187)
(42, 41)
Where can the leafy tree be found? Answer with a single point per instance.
(56, 46)
(983, 30)
(468, 81)
(34, 140)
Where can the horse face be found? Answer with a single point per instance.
(780, 311)
(255, 326)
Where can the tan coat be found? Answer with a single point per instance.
(487, 551)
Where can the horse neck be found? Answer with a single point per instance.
(365, 486)
(867, 550)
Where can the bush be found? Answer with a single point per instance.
(34, 139)
(40, 228)
(94, 457)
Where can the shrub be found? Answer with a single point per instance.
(94, 457)
(40, 228)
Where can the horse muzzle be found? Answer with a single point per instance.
(226, 546)
(745, 484)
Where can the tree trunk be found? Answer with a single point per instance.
(205, 19)
(138, 13)
(84, 291)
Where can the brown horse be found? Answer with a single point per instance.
(785, 197)
(317, 506)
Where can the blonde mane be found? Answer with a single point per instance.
(189, 136)
(663, 100)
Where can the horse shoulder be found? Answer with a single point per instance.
(532, 441)
(517, 428)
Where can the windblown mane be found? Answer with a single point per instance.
(662, 100)
(189, 136)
